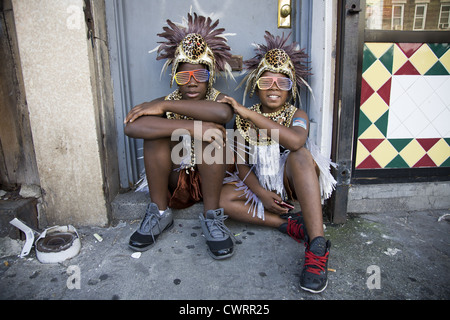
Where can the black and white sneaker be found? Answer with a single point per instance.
(218, 236)
(314, 277)
(151, 228)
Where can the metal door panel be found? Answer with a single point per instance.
(133, 27)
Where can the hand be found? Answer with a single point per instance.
(237, 107)
(268, 200)
(153, 108)
(211, 132)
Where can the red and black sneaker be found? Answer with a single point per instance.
(294, 227)
(314, 277)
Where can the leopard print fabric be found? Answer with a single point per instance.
(276, 57)
(194, 46)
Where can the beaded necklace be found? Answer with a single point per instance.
(251, 133)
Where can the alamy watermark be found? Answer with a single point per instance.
(74, 279)
(234, 151)
(374, 280)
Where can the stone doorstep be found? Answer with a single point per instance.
(131, 206)
(22, 209)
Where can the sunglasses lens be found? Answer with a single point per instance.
(265, 83)
(284, 84)
(183, 77)
(201, 75)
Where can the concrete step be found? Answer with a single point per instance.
(132, 205)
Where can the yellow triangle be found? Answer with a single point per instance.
(372, 132)
(361, 153)
(399, 59)
(445, 60)
(378, 48)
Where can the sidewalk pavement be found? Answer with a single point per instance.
(393, 255)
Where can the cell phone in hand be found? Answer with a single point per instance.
(284, 204)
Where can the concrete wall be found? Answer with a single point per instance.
(56, 66)
(418, 196)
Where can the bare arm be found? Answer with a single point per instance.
(292, 138)
(203, 110)
(153, 127)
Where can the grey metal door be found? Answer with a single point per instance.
(133, 26)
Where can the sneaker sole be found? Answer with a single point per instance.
(218, 257)
(170, 226)
(315, 291)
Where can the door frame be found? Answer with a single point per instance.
(350, 22)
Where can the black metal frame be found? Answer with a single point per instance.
(347, 70)
(346, 114)
(373, 176)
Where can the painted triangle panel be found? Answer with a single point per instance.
(407, 69)
(437, 70)
(428, 143)
(369, 163)
(407, 74)
(371, 144)
(366, 91)
(425, 162)
(409, 48)
(385, 91)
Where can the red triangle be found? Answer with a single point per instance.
(425, 162)
(369, 163)
(409, 48)
(366, 91)
(385, 91)
(407, 69)
(371, 144)
(427, 144)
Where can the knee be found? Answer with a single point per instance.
(303, 160)
(301, 157)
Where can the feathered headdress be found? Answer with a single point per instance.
(197, 41)
(278, 57)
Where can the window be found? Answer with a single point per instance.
(397, 16)
(420, 17)
(444, 17)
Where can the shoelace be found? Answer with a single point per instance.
(218, 225)
(315, 264)
(149, 221)
(295, 230)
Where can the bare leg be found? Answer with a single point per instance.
(212, 176)
(158, 168)
(234, 206)
(301, 171)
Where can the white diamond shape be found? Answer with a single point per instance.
(420, 91)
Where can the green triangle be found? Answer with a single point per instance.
(399, 144)
(397, 162)
(388, 58)
(363, 123)
(446, 163)
(368, 58)
(439, 48)
(382, 123)
(447, 140)
(437, 70)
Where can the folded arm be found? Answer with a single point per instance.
(203, 110)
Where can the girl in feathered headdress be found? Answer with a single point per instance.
(281, 163)
(197, 50)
